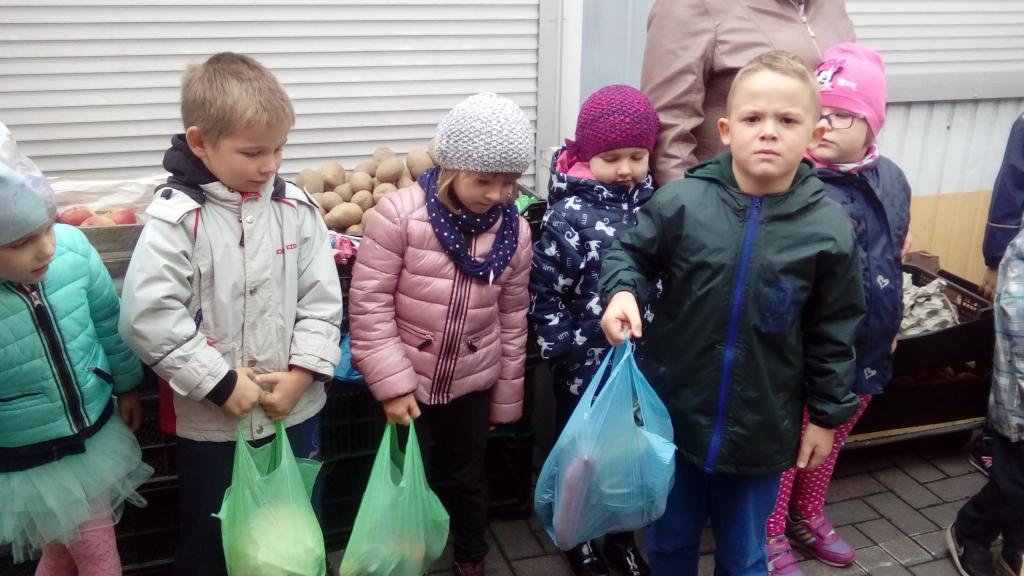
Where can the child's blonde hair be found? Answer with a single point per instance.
(231, 92)
(782, 63)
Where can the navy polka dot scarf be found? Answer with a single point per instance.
(455, 231)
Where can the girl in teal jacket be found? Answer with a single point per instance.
(68, 458)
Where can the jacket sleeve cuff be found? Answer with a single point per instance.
(222, 390)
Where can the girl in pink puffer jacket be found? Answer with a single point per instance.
(438, 305)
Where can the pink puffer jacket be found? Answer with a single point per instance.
(421, 325)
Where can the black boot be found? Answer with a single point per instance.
(584, 561)
(622, 552)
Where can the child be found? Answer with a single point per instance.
(598, 184)
(876, 195)
(762, 301)
(439, 298)
(68, 458)
(231, 295)
(998, 508)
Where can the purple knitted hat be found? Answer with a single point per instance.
(616, 116)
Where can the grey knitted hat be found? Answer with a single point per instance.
(26, 200)
(485, 133)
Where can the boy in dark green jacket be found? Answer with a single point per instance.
(761, 304)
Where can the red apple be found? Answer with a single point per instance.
(97, 221)
(75, 215)
(123, 215)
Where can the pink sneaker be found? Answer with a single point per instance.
(820, 539)
(781, 560)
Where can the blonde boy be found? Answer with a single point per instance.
(232, 296)
(761, 303)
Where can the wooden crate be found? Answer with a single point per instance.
(115, 245)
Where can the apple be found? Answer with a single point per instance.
(75, 215)
(122, 215)
(97, 221)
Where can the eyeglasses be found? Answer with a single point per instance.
(840, 120)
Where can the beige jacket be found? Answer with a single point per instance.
(694, 49)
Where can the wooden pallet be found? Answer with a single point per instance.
(115, 245)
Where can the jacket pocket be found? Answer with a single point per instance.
(481, 338)
(421, 339)
(17, 397)
(104, 375)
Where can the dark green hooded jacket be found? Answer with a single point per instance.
(761, 303)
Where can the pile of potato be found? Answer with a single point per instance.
(347, 198)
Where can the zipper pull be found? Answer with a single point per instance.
(426, 343)
(471, 345)
(36, 300)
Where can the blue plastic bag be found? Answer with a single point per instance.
(345, 370)
(614, 464)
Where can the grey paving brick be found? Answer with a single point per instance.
(853, 487)
(849, 512)
(516, 539)
(908, 520)
(917, 467)
(936, 568)
(906, 551)
(880, 531)
(874, 558)
(854, 537)
(944, 514)
(958, 488)
(908, 489)
(815, 568)
(953, 464)
(541, 566)
(934, 543)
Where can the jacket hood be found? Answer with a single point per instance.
(805, 190)
(188, 173)
(562, 185)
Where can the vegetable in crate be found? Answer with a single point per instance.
(334, 175)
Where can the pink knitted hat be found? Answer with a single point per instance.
(851, 76)
(616, 116)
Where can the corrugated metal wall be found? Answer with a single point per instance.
(92, 88)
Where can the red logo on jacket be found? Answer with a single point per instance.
(287, 247)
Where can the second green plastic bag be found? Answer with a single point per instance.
(267, 522)
(401, 527)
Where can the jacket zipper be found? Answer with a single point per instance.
(55, 351)
(801, 8)
(448, 355)
(736, 305)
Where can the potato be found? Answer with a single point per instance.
(418, 162)
(334, 175)
(432, 149)
(330, 200)
(390, 170)
(363, 199)
(354, 230)
(374, 183)
(344, 215)
(380, 191)
(366, 167)
(405, 172)
(366, 216)
(382, 153)
(345, 191)
(310, 181)
(318, 198)
(360, 181)
(404, 182)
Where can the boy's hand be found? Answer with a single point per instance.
(988, 283)
(907, 243)
(245, 396)
(283, 391)
(621, 314)
(402, 410)
(130, 407)
(815, 446)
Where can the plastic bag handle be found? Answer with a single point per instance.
(411, 454)
(619, 353)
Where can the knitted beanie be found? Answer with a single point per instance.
(485, 133)
(851, 76)
(27, 202)
(616, 116)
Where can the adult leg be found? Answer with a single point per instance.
(673, 541)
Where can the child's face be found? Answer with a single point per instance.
(478, 192)
(244, 160)
(846, 138)
(27, 259)
(622, 166)
(771, 125)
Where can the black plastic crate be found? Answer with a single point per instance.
(146, 536)
(344, 483)
(9, 568)
(158, 449)
(973, 340)
(510, 476)
(352, 422)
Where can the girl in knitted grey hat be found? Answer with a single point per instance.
(67, 464)
(439, 298)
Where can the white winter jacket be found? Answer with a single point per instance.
(220, 280)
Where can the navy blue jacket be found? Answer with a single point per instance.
(1007, 208)
(581, 223)
(878, 201)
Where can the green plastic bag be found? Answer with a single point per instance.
(401, 527)
(267, 521)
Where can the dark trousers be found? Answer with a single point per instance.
(998, 508)
(204, 473)
(738, 507)
(453, 441)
